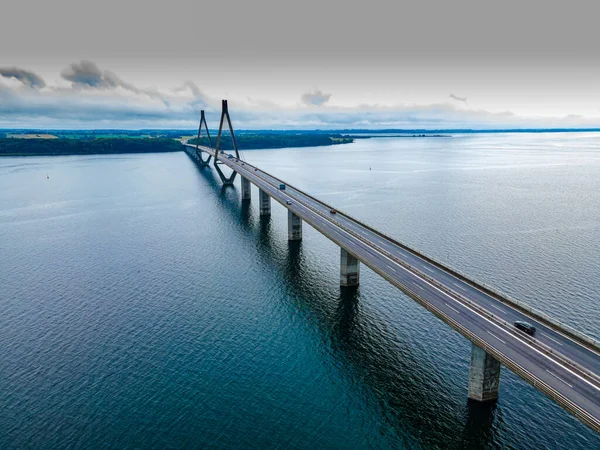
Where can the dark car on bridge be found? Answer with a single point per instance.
(526, 327)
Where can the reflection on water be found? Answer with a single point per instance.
(144, 305)
(400, 390)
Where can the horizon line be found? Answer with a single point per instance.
(329, 130)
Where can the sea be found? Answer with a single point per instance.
(143, 305)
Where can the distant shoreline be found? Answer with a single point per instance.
(110, 142)
(364, 136)
(65, 147)
(158, 132)
(36, 144)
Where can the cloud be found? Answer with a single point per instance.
(87, 75)
(26, 77)
(100, 99)
(192, 87)
(108, 109)
(315, 98)
(460, 99)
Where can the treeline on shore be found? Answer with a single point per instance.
(40, 147)
(85, 145)
(270, 140)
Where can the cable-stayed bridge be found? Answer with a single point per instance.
(557, 360)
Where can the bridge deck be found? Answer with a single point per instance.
(554, 362)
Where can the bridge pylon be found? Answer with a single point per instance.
(198, 151)
(216, 163)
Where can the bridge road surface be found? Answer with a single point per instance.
(562, 368)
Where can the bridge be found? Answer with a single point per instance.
(557, 360)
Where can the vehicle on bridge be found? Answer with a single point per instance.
(568, 375)
(526, 327)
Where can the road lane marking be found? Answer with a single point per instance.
(368, 247)
(428, 269)
(564, 336)
(452, 308)
(499, 327)
(557, 331)
(552, 339)
(492, 334)
(413, 274)
(499, 309)
(559, 378)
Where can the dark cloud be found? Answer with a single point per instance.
(85, 73)
(88, 75)
(315, 98)
(26, 77)
(95, 101)
(460, 99)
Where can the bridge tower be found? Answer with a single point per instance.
(198, 151)
(225, 115)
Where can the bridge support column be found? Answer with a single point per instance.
(484, 376)
(245, 189)
(349, 269)
(294, 227)
(264, 202)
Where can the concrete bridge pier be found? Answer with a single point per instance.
(294, 227)
(245, 189)
(484, 376)
(349, 269)
(264, 202)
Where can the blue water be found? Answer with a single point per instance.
(143, 306)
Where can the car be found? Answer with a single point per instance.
(255, 169)
(289, 202)
(332, 211)
(525, 327)
(230, 156)
(282, 187)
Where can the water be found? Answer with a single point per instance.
(143, 306)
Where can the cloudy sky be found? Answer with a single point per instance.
(310, 64)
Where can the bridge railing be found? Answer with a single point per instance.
(475, 339)
(532, 379)
(465, 300)
(557, 325)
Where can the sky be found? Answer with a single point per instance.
(299, 65)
